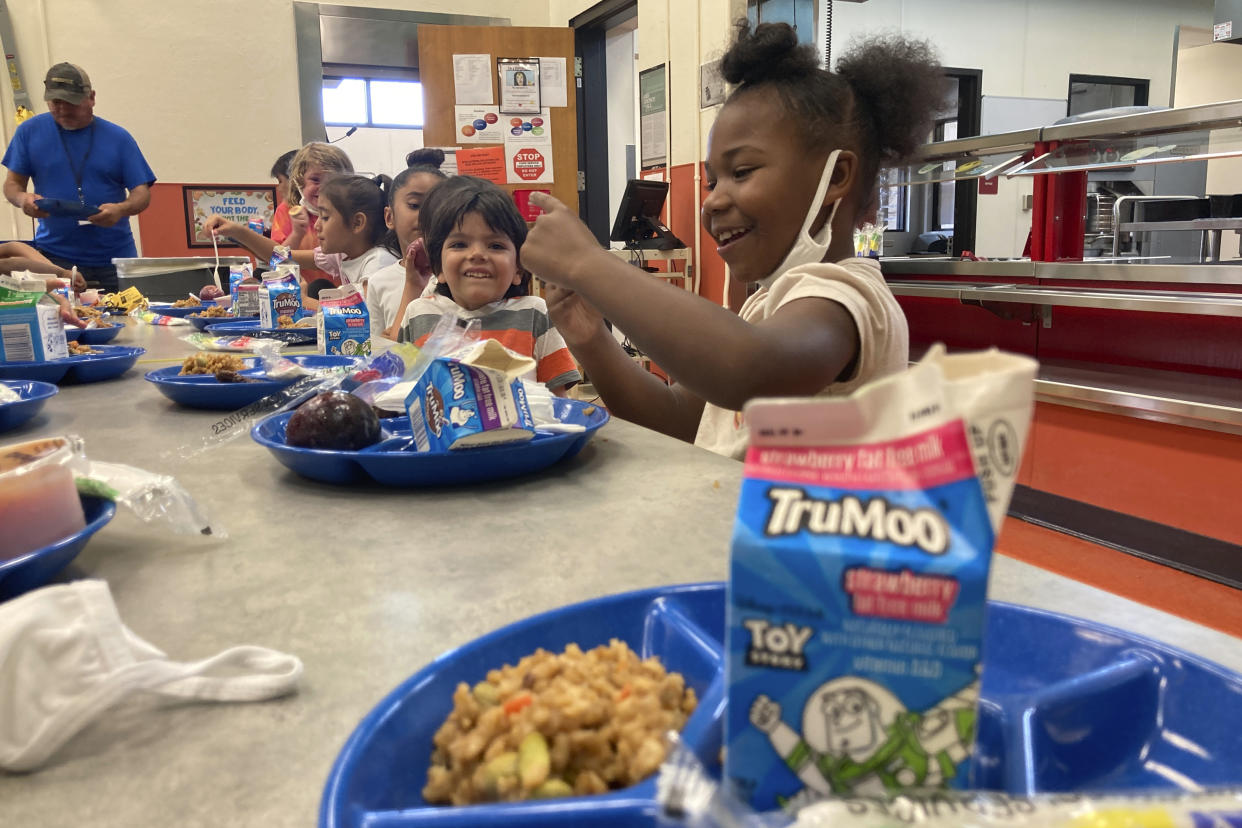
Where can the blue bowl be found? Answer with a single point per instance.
(202, 322)
(35, 569)
(33, 396)
(290, 336)
(100, 336)
(395, 462)
(72, 333)
(204, 391)
(1067, 705)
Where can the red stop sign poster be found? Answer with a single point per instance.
(528, 164)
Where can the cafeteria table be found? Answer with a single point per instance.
(366, 585)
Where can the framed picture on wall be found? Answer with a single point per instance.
(243, 203)
(653, 116)
(519, 86)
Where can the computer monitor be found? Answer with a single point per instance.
(638, 222)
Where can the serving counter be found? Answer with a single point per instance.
(366, 585)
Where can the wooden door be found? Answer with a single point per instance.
(436, 47)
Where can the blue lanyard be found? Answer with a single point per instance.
(78, 171)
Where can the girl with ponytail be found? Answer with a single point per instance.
(791, 167)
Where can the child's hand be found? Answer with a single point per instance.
(218, 225)
(417, 266)
(576, 318)
(299, 223)
(559, 246)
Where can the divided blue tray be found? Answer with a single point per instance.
(33, 395)
(394, 461)
(35, 569)
(203, 322)
(1067, 705)
(72, 333)
(112, 361)
(290, 336)
(204, 391)
(169, 310)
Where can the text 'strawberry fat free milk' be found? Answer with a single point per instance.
(858, 579)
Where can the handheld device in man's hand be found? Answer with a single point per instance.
(64, 208)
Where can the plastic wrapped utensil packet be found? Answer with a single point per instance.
(688, 796)
(858, 579)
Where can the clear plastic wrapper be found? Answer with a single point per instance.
(41, 472)
(307, 383)
(149, 317)
(8, 395)
(229, 344)
(688, 795)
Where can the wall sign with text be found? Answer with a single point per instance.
(242, 203)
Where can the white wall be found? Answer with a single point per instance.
(208, 89)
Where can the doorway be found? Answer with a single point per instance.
(605, 44)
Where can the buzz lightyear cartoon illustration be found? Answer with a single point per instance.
(857, 738)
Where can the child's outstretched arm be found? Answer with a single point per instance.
(717, 356)
(629, 391)
(261, 246)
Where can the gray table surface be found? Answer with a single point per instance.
(366, 585)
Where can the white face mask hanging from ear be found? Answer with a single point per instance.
(808, 249)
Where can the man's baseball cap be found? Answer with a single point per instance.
(66, 82)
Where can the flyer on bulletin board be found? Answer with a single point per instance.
(529, 129)
(479, 125)
(482, 162)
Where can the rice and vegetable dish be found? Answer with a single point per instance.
(557, 725)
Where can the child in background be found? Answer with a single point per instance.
(792, 160)
(354, 243)
(393, 288)
(308, 170)
(473, 232)
(281, 225)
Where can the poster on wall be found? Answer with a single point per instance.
(553, 85)
(478, 125)
(711, 85)
(482, 162)
(653, 116)
(529, 129)
(519, 85)
(472, 80)
(242, 203)
(529, 163)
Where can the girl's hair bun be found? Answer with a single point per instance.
(770, 52)
(425, 157)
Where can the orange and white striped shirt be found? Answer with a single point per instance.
(521, 324)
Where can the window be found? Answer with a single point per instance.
(797, 13)
(372, 102)
(1089, 93)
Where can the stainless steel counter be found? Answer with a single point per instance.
(367, 585)
(1212, 274)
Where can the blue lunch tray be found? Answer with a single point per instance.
(35, 569)
(394, 461)
(1066, 705)
(33, 395)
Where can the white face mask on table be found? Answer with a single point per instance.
(808, 249)
(66, 657)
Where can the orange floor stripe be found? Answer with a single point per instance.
(1173, 591)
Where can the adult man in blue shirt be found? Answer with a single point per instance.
(84, 162)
